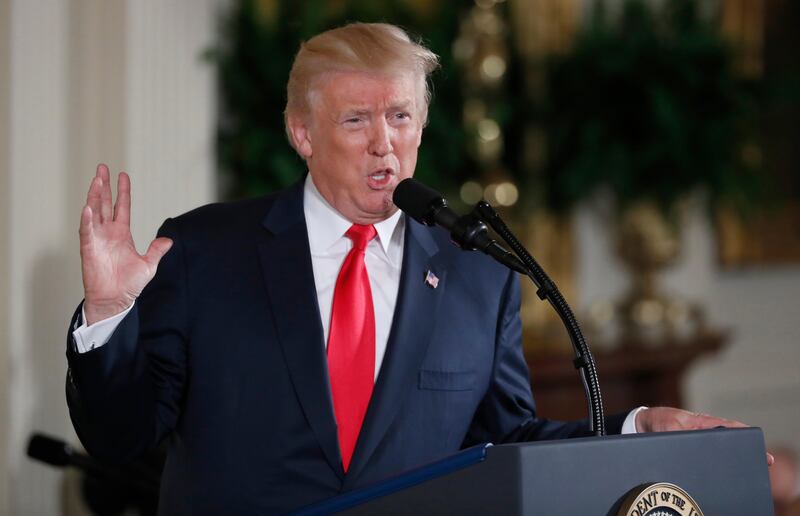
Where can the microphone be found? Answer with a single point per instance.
(427, 206)
(58, 453)
(51, 451)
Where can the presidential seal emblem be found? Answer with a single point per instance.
(659, 499)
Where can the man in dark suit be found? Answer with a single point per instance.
(295, 346)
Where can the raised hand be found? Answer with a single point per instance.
(114, 273)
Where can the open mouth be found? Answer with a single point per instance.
(380, 178)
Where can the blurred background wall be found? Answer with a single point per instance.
(126, 83)
(80, 83)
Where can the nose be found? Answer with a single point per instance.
(380, 140)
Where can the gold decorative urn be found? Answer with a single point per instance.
(648, 243)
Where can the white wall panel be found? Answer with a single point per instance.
(169, 110)
(87, 81)
(5, 215)
(39, 283)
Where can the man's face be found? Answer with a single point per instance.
(361, 140)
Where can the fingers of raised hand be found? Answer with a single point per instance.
(105, 193)
(99, 198)
(158, 248)
(122, 208)
(93, 198)
(85, 230)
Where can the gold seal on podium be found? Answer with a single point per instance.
(659, 499)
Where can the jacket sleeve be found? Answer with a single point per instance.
(125, 396)
(507, 412)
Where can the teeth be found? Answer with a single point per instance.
(378, 177)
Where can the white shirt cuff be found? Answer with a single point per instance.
(629, 426)
(92, 337)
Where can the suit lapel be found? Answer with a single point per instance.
(412, 326)
(289, 277)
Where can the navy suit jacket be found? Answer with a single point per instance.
(223, 355)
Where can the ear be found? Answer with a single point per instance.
(300, 135)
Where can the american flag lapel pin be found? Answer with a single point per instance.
(431, 280)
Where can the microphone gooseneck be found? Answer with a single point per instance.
(547, 290)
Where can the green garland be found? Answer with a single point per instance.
(651, 108)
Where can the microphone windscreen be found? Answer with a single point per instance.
(49, 450)
(417, 200)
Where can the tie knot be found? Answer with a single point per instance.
(361, 235)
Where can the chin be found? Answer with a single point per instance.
(381, 211)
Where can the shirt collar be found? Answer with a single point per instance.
(326, 226)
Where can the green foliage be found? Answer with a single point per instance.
(650, 107)
(258, 42)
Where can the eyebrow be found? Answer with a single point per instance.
(355, 111)
(401, 104)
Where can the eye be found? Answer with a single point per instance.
(400, 116)
(354, 122)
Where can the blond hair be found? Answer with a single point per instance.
(357, 47)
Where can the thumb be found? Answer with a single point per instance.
(158, 248)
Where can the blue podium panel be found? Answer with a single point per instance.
(723, 470)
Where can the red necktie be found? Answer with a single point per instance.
(351, 343)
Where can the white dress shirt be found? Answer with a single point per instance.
(329, 247)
